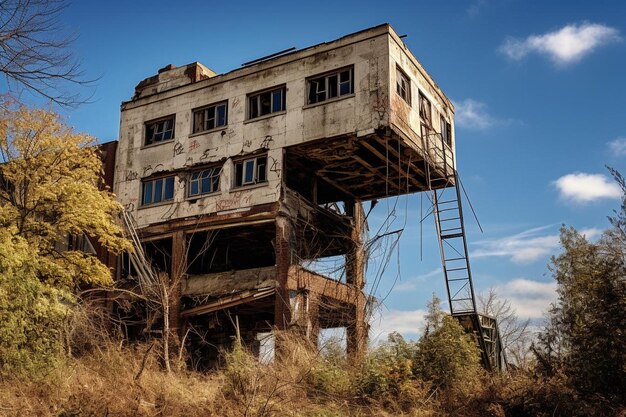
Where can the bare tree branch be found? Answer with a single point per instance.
(35, 52)
(514, 333)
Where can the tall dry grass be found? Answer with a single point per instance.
(113, 380)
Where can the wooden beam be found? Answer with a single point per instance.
(258, 213)
(375, 171)
(396, 169)
(229, 301)
(397, 155)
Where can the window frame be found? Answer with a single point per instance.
(153, 142)
(204, 110)
(447, 127)
(423, 99)
(257, 96)
(327, 75)
(163, 200)
(402, 76)
(199, 180)
(255, 169)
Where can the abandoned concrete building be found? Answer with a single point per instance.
(236, 181)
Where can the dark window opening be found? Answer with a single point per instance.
(403, 85)
(204, 182)
(446, 131)
(159, 254)
(251, 171)
(230, 249)
(210, 117)
(159, 130)
(157, 190)
(325, 87)
(267, 102)
(425, 109)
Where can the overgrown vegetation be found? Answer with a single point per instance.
(48, 194)
(58, 359)
(584, 342)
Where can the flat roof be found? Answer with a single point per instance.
(263, 64)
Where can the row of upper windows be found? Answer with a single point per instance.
(320, 88)
(247, 172)
(403, 88)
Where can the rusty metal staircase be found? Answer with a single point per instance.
(448, 211)
(453, 247)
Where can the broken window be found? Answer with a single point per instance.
(331, 85)
(446, 132)
(425, 109)
(159, 130)
(251, 171)
(204, 182)
(157, 190)
(210, 117)
(403, 85)
(266, 102)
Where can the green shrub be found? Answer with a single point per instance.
(446, 355)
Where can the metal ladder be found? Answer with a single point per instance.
(448, 211)
(453, 246)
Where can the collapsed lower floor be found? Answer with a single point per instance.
(249, 274)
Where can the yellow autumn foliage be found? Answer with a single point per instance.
(49, 177)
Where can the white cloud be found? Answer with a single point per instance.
(524, 247)
(564, 46)
(618, 146)
(527, 246)
(414, 282)
(591, 233)
(581, 187)
(474, 9)
(530, 299)
(409, 323)
(472, 114)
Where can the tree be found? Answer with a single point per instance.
(48, 192)
(586, 334)
(616, 236)
(514, 333)
(34, 53)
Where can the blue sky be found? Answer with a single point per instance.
(540, 98)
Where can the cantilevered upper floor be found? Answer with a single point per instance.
(356, 118)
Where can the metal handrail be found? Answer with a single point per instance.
(438, 153)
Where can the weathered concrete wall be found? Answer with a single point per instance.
(374, 104)
(171, 77)
(299, 123)
(404, 116)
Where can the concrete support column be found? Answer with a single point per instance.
(178, 269)
(282, 310)
(356, 330)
